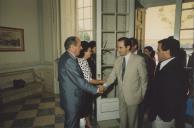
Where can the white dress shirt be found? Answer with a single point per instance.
(127, 58)
(165, 62)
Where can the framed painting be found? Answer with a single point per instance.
(11, 39)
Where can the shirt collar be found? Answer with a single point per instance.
(72, 55)
(165, 62)
(127, 57)
(82, 59)
(135, 52)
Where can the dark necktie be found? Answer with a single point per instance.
(157, 69)
(123, 68)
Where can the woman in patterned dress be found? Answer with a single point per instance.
(85, 54)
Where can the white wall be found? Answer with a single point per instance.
(37, 19)
(21, 14)
(67, 17)
(34, 16)
(46, 20)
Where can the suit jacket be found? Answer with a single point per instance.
(191, 71)
(134, 83)
(168, 92)
(191, 61)
(72, 84)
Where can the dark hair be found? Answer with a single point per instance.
(153, 54)
(92, 44)
(133, 42)
(70, 41)
(125, 40)
(193, 45)
(85, 46)
(151, 50)
(170, 44)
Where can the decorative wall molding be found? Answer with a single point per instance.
(21, 66)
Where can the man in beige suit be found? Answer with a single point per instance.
(130, 71)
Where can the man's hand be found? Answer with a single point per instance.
(101, 89)
(101, 81)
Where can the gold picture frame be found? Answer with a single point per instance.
(11, 39)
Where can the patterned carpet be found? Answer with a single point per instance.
(42, 111)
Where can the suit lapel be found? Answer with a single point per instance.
(157, 69)
(76, 62)
(129, 62)
(120, 67)
(168, 65)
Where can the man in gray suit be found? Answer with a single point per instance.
(130, 71)
(72, 84)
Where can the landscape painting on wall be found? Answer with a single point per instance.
(11, 39)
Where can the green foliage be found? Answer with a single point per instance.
(84, 36)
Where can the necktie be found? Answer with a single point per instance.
(157, 69)
(123, 68)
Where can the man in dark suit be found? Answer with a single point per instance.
(168, 92)
(191, 70)
(72, 84)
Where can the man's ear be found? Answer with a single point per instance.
(135, 46)
(167, 52)
(71, 47)
(129, 47)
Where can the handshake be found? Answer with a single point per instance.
(101, 89)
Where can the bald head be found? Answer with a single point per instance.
(73, 45)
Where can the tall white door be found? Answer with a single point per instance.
(112, 23)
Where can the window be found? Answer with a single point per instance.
(84, 19)
(159, 24)
(187, 25)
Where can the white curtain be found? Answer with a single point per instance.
(68, 24)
